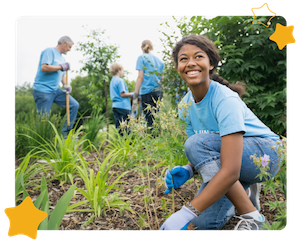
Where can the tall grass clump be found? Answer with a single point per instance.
(62, 154)
(32, 128)
(100, 188)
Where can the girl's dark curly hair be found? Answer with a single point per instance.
(212, 52)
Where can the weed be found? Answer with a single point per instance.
(277, 182)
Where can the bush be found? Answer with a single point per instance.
(247, 55)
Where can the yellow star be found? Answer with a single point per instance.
(283, 35)
(268, 23)
(25, 219)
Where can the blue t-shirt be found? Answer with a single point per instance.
(116, 87)
(221, 111)
(150, 63)
(48, 82)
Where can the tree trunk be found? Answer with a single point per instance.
(106, 107)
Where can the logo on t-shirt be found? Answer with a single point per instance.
(206, 132)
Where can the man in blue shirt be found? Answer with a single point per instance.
(51, 71)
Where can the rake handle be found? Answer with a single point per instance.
(67, 103)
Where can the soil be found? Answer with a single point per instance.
(114, 220)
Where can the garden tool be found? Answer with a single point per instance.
(67, 104)
(134, 107)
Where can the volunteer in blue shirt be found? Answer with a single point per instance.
(119, 95)
(223, 134)
(51, 71)
(147, 85)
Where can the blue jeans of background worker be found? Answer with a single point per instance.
(151, 99)
(203, 152)
(44, 101)
(119, 116)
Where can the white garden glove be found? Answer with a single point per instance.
(179, 220)
(67, 89)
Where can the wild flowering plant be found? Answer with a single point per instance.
(278, 182)
(262, 162)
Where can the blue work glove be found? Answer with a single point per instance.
(179, 175)
(179, 220)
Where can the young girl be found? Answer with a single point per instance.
(149, 69)
(119, 95)
(223, 134)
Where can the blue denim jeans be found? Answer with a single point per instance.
(203, 152)
(44, 101)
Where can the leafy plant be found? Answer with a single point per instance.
(62, 154)
(98, 191)
(25, 175)
(98, 55)
(32, 128)
(56, 216)
(277, 182)
(93, 125)
(128, 147)
(247, 55)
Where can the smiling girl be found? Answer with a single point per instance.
(223, 133)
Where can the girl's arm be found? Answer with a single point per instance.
(139, 81)
(227, 177)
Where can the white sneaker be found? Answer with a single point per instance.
(249, 223)
(254, 191)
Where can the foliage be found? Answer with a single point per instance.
(167, 145)
(98, 57)
(62, 154)
(272, 183)
(24, 101)
(32, 128)
(79, 85)
(247, 55)
(136, 149)
(98, 190)
(56, 216)
(25, 175)
(92, 126)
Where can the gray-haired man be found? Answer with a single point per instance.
(51, 71)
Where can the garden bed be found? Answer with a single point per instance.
(114, 220)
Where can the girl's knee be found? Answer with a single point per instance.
(202, 148)
(190, 142)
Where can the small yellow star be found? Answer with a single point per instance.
(269, 21)
(283, 35)
(25, 219)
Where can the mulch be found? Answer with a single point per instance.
(115, 220)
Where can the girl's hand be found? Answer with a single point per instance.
(179, 175)
(179, 220)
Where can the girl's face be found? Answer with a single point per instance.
(193, 65)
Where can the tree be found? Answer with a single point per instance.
(98, 57)
(247, 55)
